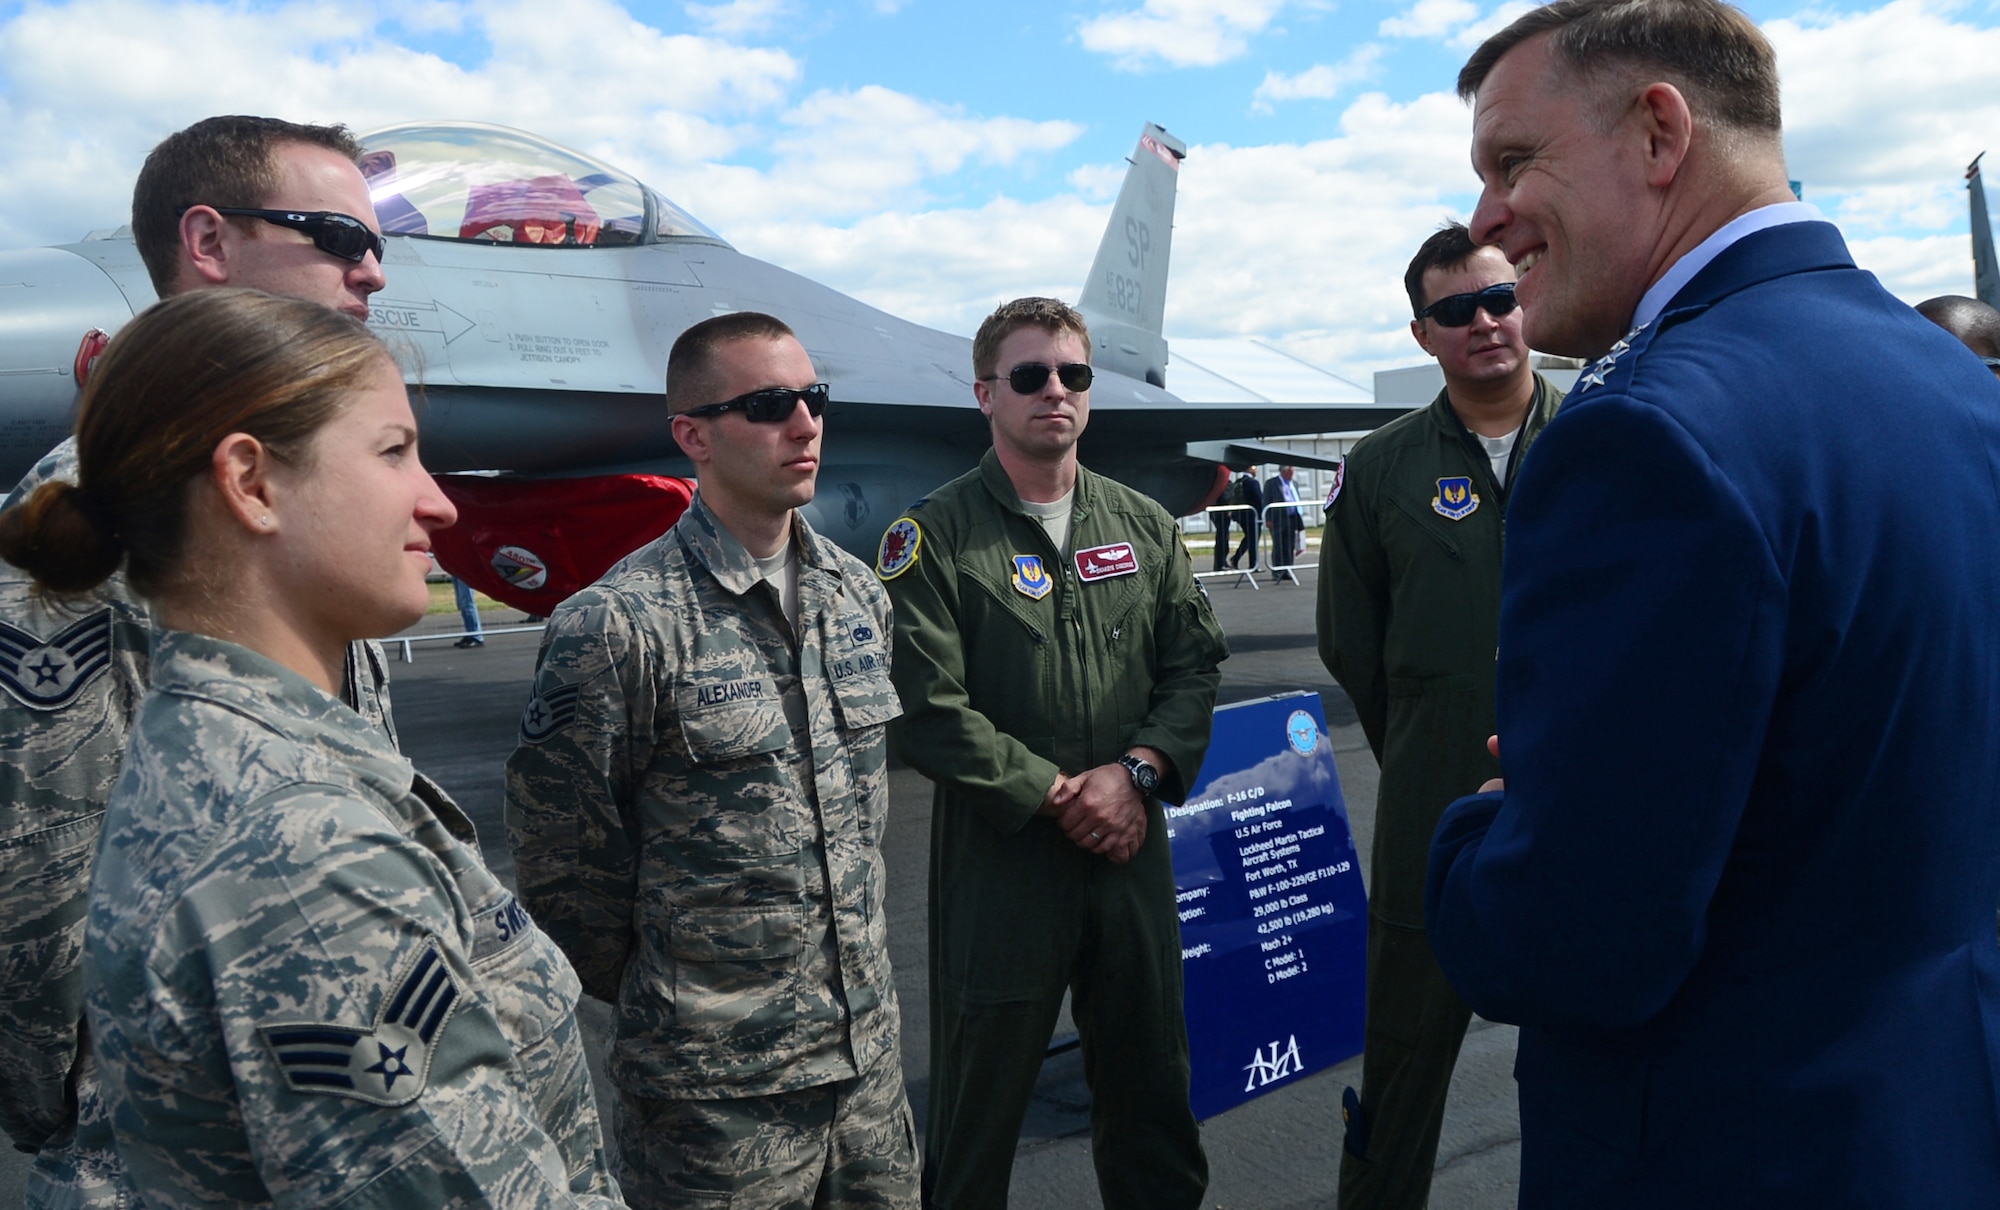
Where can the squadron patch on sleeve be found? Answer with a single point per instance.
(549, 711)
(900, 544)
(47, 674)
(386, 1065)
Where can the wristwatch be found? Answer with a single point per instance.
(1144, 775)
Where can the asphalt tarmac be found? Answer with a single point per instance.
(458, 710)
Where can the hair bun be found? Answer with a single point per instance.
(62, 536)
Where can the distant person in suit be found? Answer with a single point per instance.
(1737, 888)
(1976, 325)
(1251, 493)
(1288, 527)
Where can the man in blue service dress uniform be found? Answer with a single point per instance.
(1738, 887)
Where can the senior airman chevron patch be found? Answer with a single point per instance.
(47, 674)
(386, 1065)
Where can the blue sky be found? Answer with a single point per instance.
(935, 157)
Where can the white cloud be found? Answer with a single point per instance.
(1884, 109)
(1178, 33)
(1430, 19)
(852, 152)
(74, 127)
(1458, 23)
(738, 17)
(1322, 81)
(1492, 23)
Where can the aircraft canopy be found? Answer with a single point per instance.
(489, 184)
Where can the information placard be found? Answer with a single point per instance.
(1274, 922)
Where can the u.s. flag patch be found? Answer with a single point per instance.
(386, 1065)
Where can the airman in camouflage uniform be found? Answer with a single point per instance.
(71, 673)
(696, 810)
(61, 756)
(305, 986)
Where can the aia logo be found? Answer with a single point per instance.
(1269, 1069)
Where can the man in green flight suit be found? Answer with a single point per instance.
(1058, 668)
(1409, 619)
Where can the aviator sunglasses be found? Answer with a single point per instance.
(772, 405)
(332, 232)
(1030, 376)
(1456, 310)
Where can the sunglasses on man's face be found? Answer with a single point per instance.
(332, 232)
(772, 405)
(1456, 310)
(1030, 376)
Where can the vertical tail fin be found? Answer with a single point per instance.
(1985, 267)
(1125, 297)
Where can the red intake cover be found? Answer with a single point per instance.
(530, 543)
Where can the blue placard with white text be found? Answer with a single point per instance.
(1274, 923)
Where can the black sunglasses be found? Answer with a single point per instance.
(1456, 310)
(332, 232)
(772, 405)
(1031, 376)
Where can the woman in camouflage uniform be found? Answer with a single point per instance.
(304, 984)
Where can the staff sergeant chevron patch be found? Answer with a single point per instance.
(387, 1065)
(549, 712)
(47, 674)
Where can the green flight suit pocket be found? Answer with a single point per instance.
(736, 975)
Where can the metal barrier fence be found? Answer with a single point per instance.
(404, 641)
(1307, 520)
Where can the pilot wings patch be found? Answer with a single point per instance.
(47, 674)
(386, 1065)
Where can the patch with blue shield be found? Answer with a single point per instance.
(1031, 579)
(1455, 498)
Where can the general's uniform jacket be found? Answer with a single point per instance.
(1409, 623)
(697, 808)
(1738, 891)
(305, 986)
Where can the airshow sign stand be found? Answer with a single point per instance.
(1274, 923)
